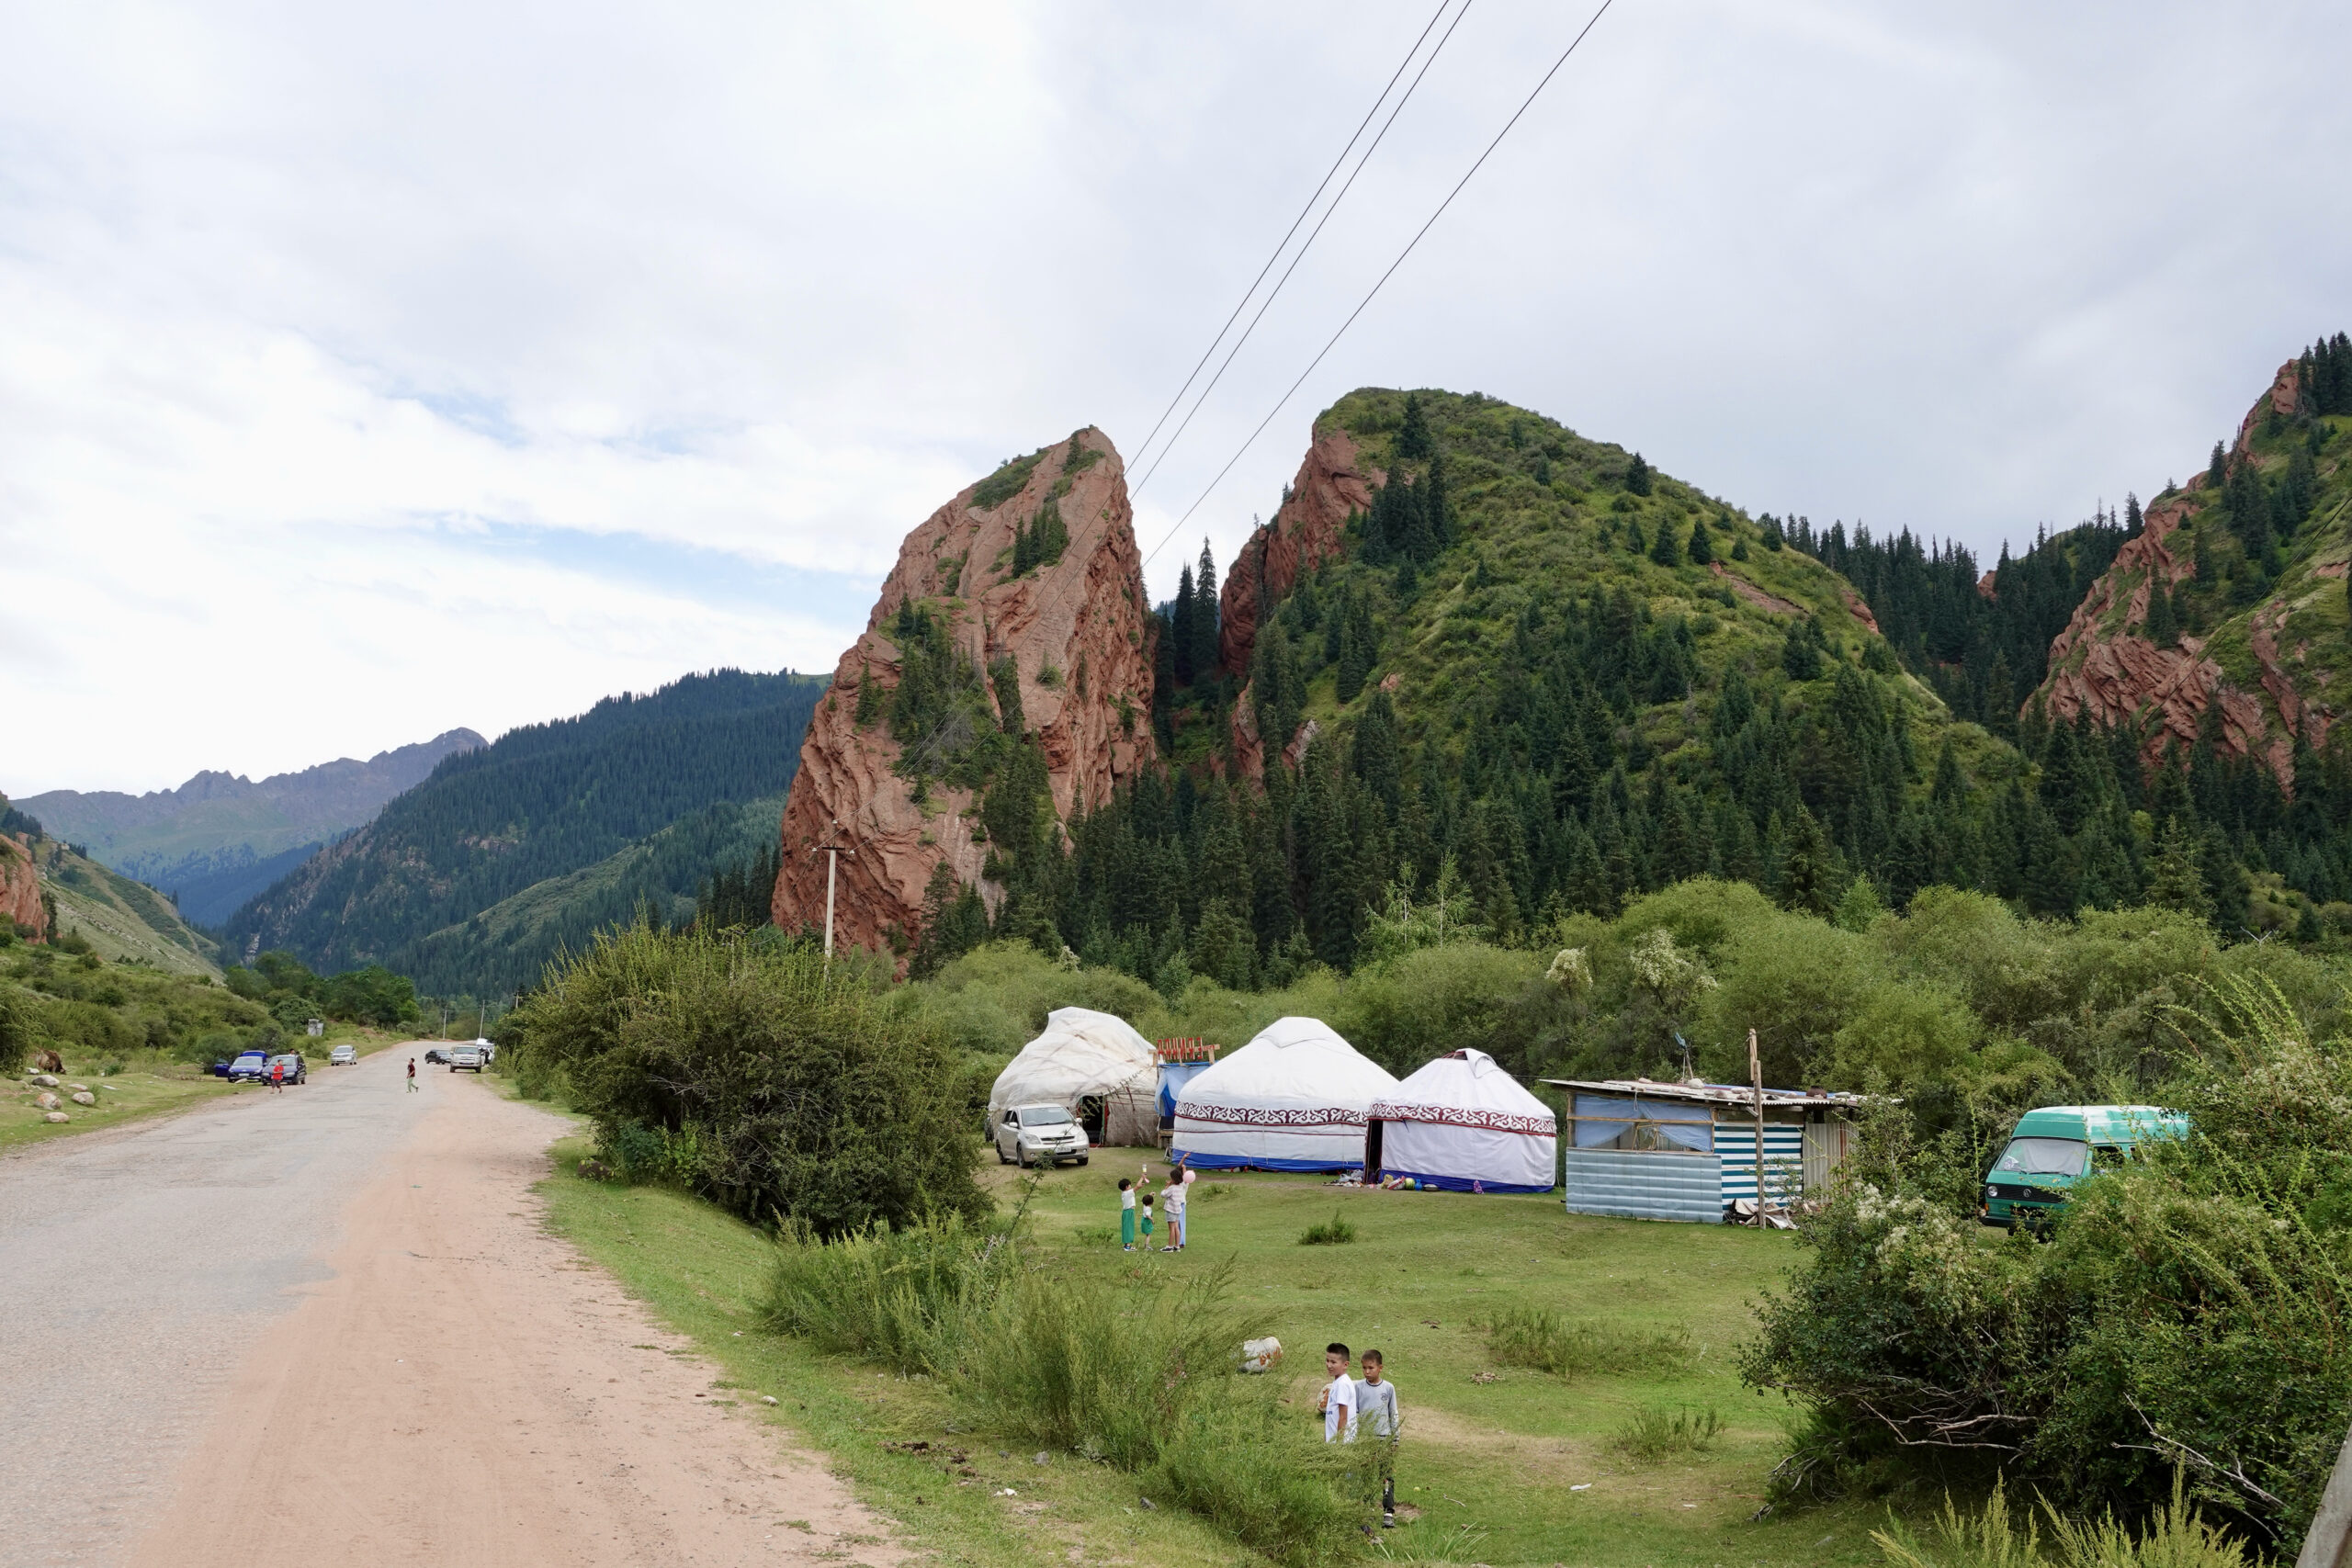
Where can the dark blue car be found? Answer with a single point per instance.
(251, 1066)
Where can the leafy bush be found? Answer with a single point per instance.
(1333, 1232)
(2185, 1312)
(1252, 1469)
(1006, 482)
(1542, 1339)
(783, 1092)
(20, 1031)
(1653, 1436)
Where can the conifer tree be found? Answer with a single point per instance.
(1414, 441)
(1663, 550)
(1703, 550)
(1637, 477)
(2163, 625)
(1181, 636)
(1204, 616)
(2217, 470)
(2175, 879)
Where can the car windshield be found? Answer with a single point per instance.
(2044, 1156)
(1045, 1116)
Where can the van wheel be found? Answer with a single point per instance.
(1082, 1159)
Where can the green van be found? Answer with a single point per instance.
(2052, 1148)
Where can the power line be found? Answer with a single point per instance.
(1243, 303)
(1384, 278)
(1301, 254)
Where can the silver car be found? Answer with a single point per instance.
(343, 1057)
(1028, 1134)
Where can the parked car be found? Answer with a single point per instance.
(489, 1052)
(251, 1066)
(1029, 1133)
(297, 1069)
(2052, 1149)
(436, 1056)
(220, 1069)
(468, 1057)
(343, 1057)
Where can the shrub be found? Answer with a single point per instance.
(1653, 1436)
(808, 1096)
(1333, 1232)
(20, 1031)
(1991, 1538)
(1259, 1473)
(2185, 1311)
(1542, 1339)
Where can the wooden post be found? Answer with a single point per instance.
(1756, 1076)
(832, 849)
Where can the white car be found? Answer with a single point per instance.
(343, 1057)
(466, 1056)
(1027, 1134)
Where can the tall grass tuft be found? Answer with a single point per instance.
(1991, 1537)
(1653, 1436)
(1333, 1232)
(904, 1298)
(1265, 1476)
(1098, 1368)
(1540, 1339)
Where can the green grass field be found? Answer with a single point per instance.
(1498, 1466)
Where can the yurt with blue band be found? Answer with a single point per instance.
(1293, 1099)
(1463, 1124)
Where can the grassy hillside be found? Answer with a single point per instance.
(543, 802)
(122, 918)
(506, 947)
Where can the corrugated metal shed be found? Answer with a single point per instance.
(1639, 1185)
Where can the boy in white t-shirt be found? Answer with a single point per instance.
(1172, 1203)
(1339, 1402)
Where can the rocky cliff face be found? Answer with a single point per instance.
(2105, 663)
(1068, 639)
(20, 897)
(1307, 530)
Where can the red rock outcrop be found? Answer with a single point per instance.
(1309, 530)
(2099, 665)
(20, 897)
(1078, 632)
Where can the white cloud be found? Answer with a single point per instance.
(362, 374)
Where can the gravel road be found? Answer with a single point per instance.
(328, 1327)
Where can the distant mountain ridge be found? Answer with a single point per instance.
(541, 802)
(221, 838)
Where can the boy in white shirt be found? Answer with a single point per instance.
(1339, 1402)
(1377, 1418)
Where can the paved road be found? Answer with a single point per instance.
(136, 1267)
(329, 1327)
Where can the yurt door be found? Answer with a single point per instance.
(1372, 1150)
(1089, 1116)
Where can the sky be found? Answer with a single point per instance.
(368, 372)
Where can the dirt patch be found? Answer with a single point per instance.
(1755, 596)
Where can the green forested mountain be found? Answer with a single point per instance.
(1548, 677)
(540, 803)
(718, 861)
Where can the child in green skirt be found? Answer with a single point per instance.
(1127, 1216)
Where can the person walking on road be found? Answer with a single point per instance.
(411, 1074)
(278, 1077)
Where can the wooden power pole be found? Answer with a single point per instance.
(832, 849)
(1755, 1077)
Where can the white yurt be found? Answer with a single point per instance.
(1462, 1123)
(1293, 1099)
(1097, 1066)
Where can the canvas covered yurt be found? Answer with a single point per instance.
(1462, 1123)
(1097, 1066)
(1293, 1099)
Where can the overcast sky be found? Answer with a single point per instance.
(368, 371)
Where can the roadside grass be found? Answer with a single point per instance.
(1500, 1463)
(135, 1085)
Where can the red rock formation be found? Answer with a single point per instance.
(20, 897)
(2098, 665)
(1855, 608)
(1308, 531)
(1076, 630)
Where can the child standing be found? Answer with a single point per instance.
(1174, 1199)
(1146, 1222)
(1376, 1415)
(1338, 1405)
(1127, 1216)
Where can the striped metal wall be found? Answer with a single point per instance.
(1641, 1185)
(1783, 1160)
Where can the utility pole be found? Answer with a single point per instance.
(1756, 1076)
(833, 850)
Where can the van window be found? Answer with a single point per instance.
(2044, 1156)
(2106, 1156)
